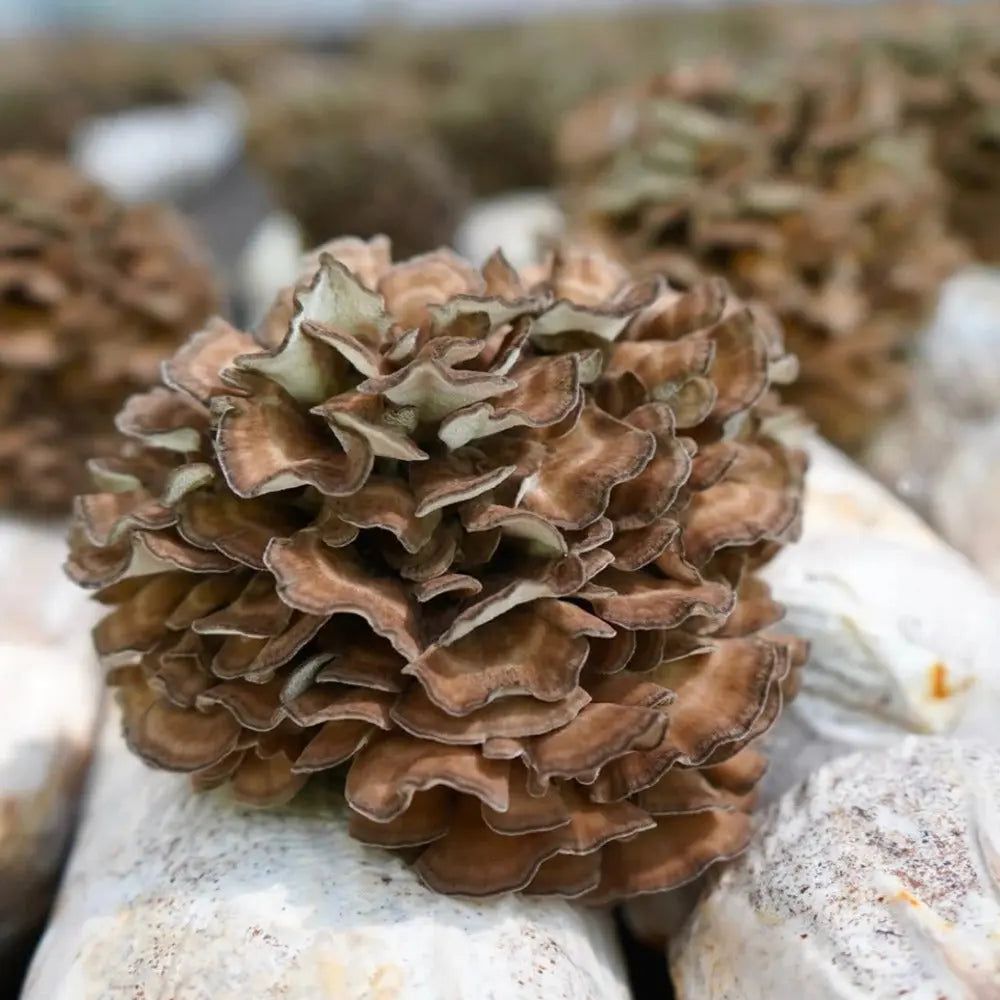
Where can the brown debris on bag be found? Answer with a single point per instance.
(803, 186)
(483, 544)
(92, 296)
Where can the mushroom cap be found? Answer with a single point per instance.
(480, 543)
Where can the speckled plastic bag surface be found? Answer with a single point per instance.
(191, 897)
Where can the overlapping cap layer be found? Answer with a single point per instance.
(482, 543)
(804, 187)
(92, 296)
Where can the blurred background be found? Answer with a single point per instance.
(233, 111)
(343, 18)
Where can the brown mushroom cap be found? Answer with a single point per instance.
(447, 538)
(93, 295)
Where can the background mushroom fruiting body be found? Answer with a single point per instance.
(951, 86)
(802, 185)
(92, 296)
(482, 545)
(344, 149)
(496, 92)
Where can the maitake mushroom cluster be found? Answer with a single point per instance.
(953, 89)
(482, 543)
(92, 296)
(804, 189)
(495, 93)
(344, 148)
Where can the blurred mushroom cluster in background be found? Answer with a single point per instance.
(532, 458)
